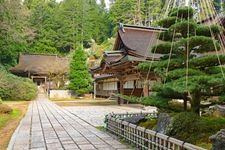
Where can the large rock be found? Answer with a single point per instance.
(135, 119)
(163, 123)
(218, 140)
(217, 111)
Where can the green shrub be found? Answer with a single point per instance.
(16, 88)
(183, 125)
(0, 100)
(191, 128)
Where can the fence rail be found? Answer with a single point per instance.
(142, 138)
(125, 115)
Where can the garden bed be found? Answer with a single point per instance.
(190, 128)
(10, 121)
(141, 137)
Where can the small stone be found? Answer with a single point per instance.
(217, 111)
(135, 119)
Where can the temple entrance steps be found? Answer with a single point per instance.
(113, 97)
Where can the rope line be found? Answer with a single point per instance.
(187, 50)
(214, 42)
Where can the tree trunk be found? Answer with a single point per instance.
(195, 103)
(185, 104)
(186, 98)
(146, 89)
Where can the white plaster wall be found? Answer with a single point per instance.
(61, 94)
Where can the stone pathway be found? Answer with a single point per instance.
(48, 126)
(95, 115)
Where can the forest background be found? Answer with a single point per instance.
(51, 27)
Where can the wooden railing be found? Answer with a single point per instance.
(142, 138)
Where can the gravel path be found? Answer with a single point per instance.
(95, 114)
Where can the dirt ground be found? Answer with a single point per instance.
(12, 121)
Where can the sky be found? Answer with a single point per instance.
(106, 2)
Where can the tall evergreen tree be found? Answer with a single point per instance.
(62, 27)
(80, 21)
(42, 21)
(80, 78)
(137, 12)
(14, 31)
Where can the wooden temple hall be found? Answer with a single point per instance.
(48, 71)
(118, 72)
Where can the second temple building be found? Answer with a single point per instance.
(118, 71)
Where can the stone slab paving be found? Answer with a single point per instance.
(95, 115)
(47, 126)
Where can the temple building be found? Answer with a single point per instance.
(118, 72)
(49, 71)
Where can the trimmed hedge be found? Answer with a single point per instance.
(16, 88)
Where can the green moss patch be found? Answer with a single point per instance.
(149, 124)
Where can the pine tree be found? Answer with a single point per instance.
(80, 78)
(184, 74)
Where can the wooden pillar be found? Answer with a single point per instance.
(28, 74)
(120, 91)
(94, 90)
(46, 89)
(45, 80)
(146, 89)
(49, 84)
